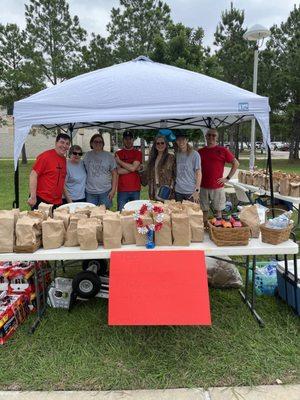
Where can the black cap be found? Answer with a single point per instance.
(127, 134)
(181, 133)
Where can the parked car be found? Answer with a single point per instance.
(284, 147)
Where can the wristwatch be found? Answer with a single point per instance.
(228, 178)
(197, 190)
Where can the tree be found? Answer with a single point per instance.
(98, 54)
(19, 76)
(234, 56)
(282, 63)
(134, 27)
(57, 38)
(181, 47)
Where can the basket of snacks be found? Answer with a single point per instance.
(277, 230)
(228, 231)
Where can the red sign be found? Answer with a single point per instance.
(158, 288)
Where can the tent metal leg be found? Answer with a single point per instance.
(16, 184)
(250, 301)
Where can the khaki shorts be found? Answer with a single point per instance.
(215, 197)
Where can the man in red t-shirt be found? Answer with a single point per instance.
(128, 160)
(47, 177)
(213, 160)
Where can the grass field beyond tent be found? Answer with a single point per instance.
(78, 350)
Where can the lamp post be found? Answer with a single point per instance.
(255, 34)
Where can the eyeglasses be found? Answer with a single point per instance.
(160, 143)
(98, 142)
(77, 153)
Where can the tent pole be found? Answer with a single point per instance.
(269, 163)
(16, 184)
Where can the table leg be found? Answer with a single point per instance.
(245, 295)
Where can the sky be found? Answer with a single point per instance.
(95, 14)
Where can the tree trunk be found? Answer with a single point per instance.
(294, 143)
(24, 155)
(231, 139)
(236, 140)
(143, 149)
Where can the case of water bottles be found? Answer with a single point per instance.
(266, 278)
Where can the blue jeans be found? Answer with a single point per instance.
(99, 198)
(182, 196)
(124, 197)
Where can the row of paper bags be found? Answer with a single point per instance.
(88, 228)
(283, 183)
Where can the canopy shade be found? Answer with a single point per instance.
(139, 94)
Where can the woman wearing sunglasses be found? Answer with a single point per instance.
(76, 176)
(160, 170)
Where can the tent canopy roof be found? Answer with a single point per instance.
(139, 94)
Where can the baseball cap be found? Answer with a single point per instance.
(127, 134)
(180, 133)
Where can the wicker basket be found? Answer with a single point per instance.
(275, 236)
(229, 236)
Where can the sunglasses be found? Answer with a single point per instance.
(212, 134)
(160, 143)
(77, 153)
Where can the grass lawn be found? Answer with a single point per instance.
(78, 350)
(277, 164)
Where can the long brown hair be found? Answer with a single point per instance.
(153, 153)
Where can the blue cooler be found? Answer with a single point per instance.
(288, 288)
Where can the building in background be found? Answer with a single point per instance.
(37, 141)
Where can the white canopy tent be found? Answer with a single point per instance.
(139, 94)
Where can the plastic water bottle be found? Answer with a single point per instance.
(280, 222)
(228, 206)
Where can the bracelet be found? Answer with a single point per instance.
(228, 178)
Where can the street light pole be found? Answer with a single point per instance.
(255, 70)
(255, 33)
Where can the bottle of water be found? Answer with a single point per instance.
(280, 222)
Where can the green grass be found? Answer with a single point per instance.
(282, 165)
(78, 350)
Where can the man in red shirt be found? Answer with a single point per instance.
(47, 177)
(128, 160)
(213, 160)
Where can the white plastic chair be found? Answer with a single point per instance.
(243, 195)
(135, 205)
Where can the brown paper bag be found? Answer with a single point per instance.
(7, 231)
(128, 228)
(71, 234)
(284, 187)
(181, 229)
(295, 189)
(163, 237)
(249, 215)
(190, 205)
(98, 212)
(112, 231)
(87, 233)
(37, 215)
(249, 178)
(46, 209)
(62, 215)
(28, 234)
(53, 233)
(196, 225)
(141, 239)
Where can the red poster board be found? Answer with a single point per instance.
(158, 288)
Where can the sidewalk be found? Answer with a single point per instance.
(277, 392)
